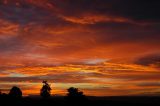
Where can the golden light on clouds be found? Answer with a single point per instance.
(97, 46)
(92, 19)
(90, 78)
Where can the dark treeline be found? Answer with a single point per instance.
(74, 97)
(15, 97)
(45, 92)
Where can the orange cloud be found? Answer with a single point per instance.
(8, 29)
(116, 79)
(75, 44)
(92, 19)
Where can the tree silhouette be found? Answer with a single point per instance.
(15, 92)
(75, 95)
(45, 90)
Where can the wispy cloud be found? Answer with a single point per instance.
(96, 45)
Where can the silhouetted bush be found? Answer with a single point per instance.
(75, 95)
(45, 90)
(15, 92)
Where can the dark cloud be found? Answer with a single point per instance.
(25, 13)
(19, 79)
(134, 9)
(28, 11)
(12, 44)
(153, 59)
(22, 15)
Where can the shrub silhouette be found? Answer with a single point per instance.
(75, 95)
(15, 92)
(45, 90)
(74, 92)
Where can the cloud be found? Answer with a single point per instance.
(108, 76)
(84, 41)
(150, 84)
(92, 19)
(153, 59)
(135, 10)
(84, 72)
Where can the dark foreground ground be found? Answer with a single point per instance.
(89, 101)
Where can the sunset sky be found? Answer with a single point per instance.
(102, 47)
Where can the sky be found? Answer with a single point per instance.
(102, 47)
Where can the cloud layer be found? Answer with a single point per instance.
(96, 45)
